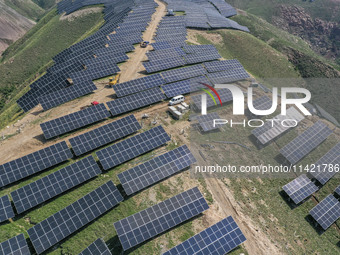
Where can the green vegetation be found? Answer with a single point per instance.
(256, 56)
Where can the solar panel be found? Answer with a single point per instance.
(73, 217)
(219, 239)
(164, 64)
(262, 103)
(137, 85)
(199, 48)
(185, 86)
(326, 212)
(306, 142)
(228, 76)
(74, 121)
(98, 247)
(199, 57)
(337, 190)
(15, 246)
(6, 209)
(33, 163)
(156, 169)
(272, 129)
(54, 184)
(300, 188)
(135, 101)
(65, 95)
(218, 66)
(324, 170)
(207, 121)
(132, 147)
(105, 134)
(161, 217)
(224, 94)
(183, 73)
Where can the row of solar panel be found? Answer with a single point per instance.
(57, 92)
(132, 230)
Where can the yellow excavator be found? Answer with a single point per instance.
(114, 81)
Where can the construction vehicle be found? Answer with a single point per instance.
(114, 81)
(144, 44)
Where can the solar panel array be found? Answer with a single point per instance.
(135, 101)
(156, 169)
(262, 103)
(325, 165)
(137, 85)
(163, 64)
(224, 94)
(65, 95)
(207, 121)
(156, 219)
(183, 73)
(228, 76)
(73, 217)
(131, 17)
(54, 184)
(201, 57)
(272, 129)
(185, 86)
(15, 246)
(33, 163)
(98, 247)
(74, 121)
(219, 239)
(6, 209)
(326, 212)
(132, 147)
(306, 142)
(337, 190)
(300, 188)
(105, 134)
(224, 65)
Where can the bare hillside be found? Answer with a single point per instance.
(12, 25)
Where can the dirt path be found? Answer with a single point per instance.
(133, 67)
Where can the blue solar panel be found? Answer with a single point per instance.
(73, 217)
(219, 239)
(33, 163)
(183, 73)
(228, 76)
(337, 190)
(300, 188)
(326, 212)
(54, 184)
(156, 169)
(132, 147)
(105, 134)
(15, 246)
(74, 121)
(67, 94)
(6, 209)
(164, 64)
(137, 85)
(306, 142)
(161, 217)
(224, 94)
(325, 166)
(98, 247)
(135, 101)
(218, 66)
